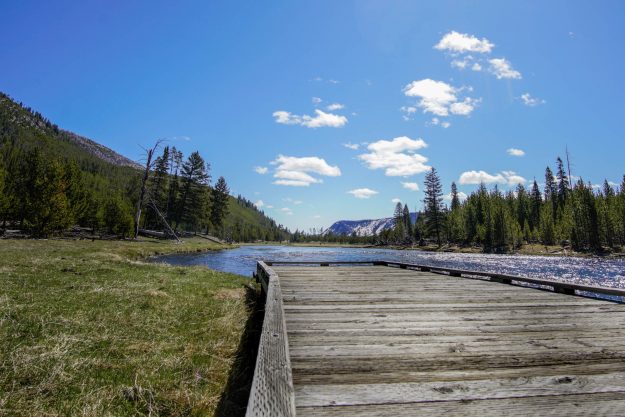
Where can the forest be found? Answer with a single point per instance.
(571, 214)
(49, 185)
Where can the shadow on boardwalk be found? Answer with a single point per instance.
(233, 401)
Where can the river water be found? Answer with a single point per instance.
(242, 261)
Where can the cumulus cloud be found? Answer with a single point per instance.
(412, 186)
(530, 101)
(286, 210)
(363, 193)
(321, 119)
(439, 98)
(502, 68)
(461, 196)
(296, 172)
(516, 152)
(455, 42)
(478, 177)
(335, 106)
(397, 157)
(316, 100)
(352, 146)
(259, 204)
(396, 200)
(261, 170)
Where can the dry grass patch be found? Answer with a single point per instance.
(86, 330)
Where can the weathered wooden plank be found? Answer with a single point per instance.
(575, 405)
(374, 340)
(272, 391)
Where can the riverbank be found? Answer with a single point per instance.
(88, 328)
(527, 250)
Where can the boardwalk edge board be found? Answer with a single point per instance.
(272, 392)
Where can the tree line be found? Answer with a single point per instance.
(46, 196)
(579, 215)
(575, 214)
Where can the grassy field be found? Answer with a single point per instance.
(87, 328)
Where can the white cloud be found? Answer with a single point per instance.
(331, 81)
(261, 170)
(322, 119)
(465, 107)
(437, 122)
(316, 216)
(528, 100)
(296, 172)
(439, 98)
(463, 42)
(335, 106)
(352, 146)
(286, 210)
(396, 200)
(516, 152)
(397, 157)
(363, 193)
(461, 196)
(513, 179)
(502, 68)
(269, 206)
(466, 62)
(504, 177)
(316, 100)
(259, 204)
(412, 186)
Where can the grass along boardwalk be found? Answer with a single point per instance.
(371, 340)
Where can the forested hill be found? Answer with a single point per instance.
(52, 179)
(32, 129)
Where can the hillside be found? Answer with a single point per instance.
(368, 227)
(105, 174)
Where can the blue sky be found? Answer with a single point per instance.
(261, 84)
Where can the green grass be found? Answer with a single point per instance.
(87, 328)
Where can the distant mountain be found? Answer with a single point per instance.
(364, 227)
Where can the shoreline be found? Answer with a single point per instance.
(525, 250)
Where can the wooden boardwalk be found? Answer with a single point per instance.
(371, 340)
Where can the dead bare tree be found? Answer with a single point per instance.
(146, 175)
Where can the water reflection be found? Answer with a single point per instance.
(242, 261)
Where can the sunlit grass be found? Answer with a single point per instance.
(87, 328)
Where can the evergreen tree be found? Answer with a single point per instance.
(563, 183)
(158, 188)
(455, 200)
(535, 207)
(193, 194)
(117, 216)
(433, 202)
(219, 207)
(407, 222)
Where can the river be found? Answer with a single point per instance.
(595, 271)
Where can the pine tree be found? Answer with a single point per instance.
(433, 204)
(193, 195)
(535, 207)
(158, 189)
(455, 200)
(219, 203)
(563, 183)
(407, 222)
